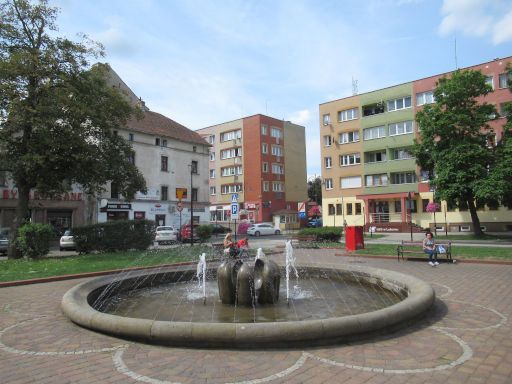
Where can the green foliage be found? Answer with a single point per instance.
(114, 236)
(204, 232)
(323, 234)
(315, 190)
(34, 240)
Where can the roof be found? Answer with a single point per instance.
(156, 124)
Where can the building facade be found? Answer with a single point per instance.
(368, 172)
(263, 160)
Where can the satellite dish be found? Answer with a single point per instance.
(103, 203)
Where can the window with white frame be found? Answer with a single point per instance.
(277, 150)
(231, 135)
(348, 114)
(375, 157)
(328, 183)
(350, 159)
(503, 80)
(400, 103)
(230, 188)
(326, 118)
(277, 186)
(377, 180)
(278, 169)
(265, 186)
(328, 162)
(401, 128)
(213, 190)
(350, 182)
(264, 148)
(211, 139)
(348, 137)
(489, 81)
(423, 98)
(212, 155)
(327, 141)
(231, 171)
(212, 173)
(230, 153)
(264, 167)
(276, 132)
(403, 178)
(400, 154)
(374, 133)
(264, 129)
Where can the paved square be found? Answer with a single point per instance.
(465, 338)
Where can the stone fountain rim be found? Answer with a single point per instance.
(420, 298)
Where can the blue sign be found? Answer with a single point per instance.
(234, 197)
(302, 215)
(234, 211)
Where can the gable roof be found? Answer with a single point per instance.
(156, 124)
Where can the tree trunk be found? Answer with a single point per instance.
(21, 215)
(474, 217)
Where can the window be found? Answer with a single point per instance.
(424, 203)
(211, 139)
(375, 157)
(358, 208)
(164, 193)
(374, 133)
(194, 149)
(212, 155)
(330, 209)
(326, 119)
(401, 128)
(265, 186)
(193, 167)
(157, 141)
(398, 206)
(350, 182)
(349, 209)
(194, 194)
(277, 186)
(328, 162)
(503, 80)
(373, 109)
(403, 178)
(114, 191)
(212, 173)
(277, 150)
(231, 135)
(377, 180)
(231, 153)
(130, 137)
(264, 129)
(423, 98)
(348, 137)
(327, 141)
(264, 167)
(213, 190)
(278, 169)
(400, 154)
(328, 183)
(348, 114)
(339, 209)
(164, 163)
(230, 188)
(231, 171)
(264, 148)
(275, 132)
(164, 143)
(131, 158)
(401, 103)
(489, 81)
(351, 159)
(503, 106)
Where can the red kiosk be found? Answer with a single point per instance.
(354, 238)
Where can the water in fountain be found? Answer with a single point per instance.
(201, 273)
(290, 264)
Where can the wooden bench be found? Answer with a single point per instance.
(416, 248)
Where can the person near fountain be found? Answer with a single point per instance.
(429, 247)
(229, 246)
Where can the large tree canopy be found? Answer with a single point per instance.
(455, 143)
(58, 117)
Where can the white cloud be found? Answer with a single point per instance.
(502, 31)
(303, 117)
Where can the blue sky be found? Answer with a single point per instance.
(206, 62)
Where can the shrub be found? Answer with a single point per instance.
(323, 234)
(114, 236)
(33, 240)
(204, 232)
(243, 227)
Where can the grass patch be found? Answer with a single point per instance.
(442, 236)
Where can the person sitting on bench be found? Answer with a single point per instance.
(429, 247)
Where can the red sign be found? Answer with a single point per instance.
(34, 195)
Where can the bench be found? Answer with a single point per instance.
(416, 248)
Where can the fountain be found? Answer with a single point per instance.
(236, 304)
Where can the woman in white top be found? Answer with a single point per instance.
(429, 247)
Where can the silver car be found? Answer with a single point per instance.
(166, 235)
(263, 229)
(67, 241)
(4, 244)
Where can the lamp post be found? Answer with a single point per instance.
(409, 205)
(191, 206)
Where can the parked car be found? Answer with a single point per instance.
(166, 235)
(315, 223)
(217, 228)
(185, 233)
(4, 244)
(263, 229)
(67, 241)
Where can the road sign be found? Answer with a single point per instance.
(179, 206)
(234, 211)
(234, 197)
(302, 215)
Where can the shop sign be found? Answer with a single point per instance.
(251, 205)
(159, 208)
(12, 194)
(152, 194)
(119, 207)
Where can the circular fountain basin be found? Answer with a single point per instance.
(167, 307)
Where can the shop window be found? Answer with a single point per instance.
(349, 209)
(358, 208)
(331, 209)
(339, 209)
(139, 215)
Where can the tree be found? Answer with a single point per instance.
(58, 117)
(315, 190)
(454, 142)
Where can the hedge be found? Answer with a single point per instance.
(323, 234)
(33, 240)
(114, 236)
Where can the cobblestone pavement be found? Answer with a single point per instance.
(465, 338)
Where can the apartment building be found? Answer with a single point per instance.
(263, 160)
(369, 176)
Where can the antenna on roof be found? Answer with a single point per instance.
(455, 52)
(354, 86)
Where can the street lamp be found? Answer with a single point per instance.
(409, 205)
(191, 205)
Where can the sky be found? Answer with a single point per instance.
(203, 62)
